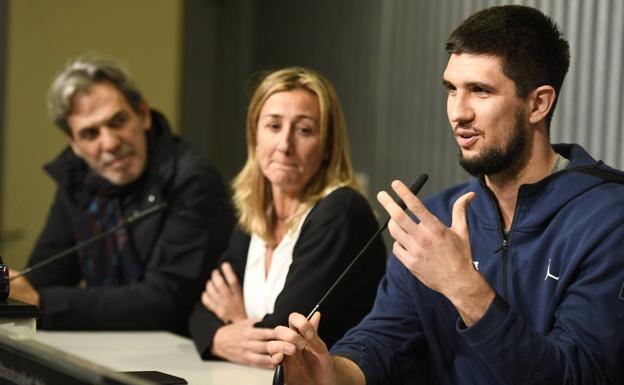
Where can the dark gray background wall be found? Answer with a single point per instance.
(229, 42)
(386, 58)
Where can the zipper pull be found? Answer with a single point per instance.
(502, 247)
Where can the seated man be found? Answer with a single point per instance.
(512, 278)
(122, 158)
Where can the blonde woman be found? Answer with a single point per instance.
(301, 220)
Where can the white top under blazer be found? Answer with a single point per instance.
(259, 293)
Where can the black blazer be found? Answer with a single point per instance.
(332, 234)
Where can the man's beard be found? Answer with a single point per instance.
(493, 160)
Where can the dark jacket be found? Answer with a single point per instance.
(332, 234)
(561, 273)
(177, 247)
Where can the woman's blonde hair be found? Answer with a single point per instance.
(252, 191)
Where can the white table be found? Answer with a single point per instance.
(162, 351)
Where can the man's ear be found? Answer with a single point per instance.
(542, 100)
(145, 115)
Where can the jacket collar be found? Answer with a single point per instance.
(538, 202)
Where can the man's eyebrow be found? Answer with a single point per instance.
(116, 115)
(479, 85)
(470, 85)
(86, 128)
(97, 125)
(447, 84)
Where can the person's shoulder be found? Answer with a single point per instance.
(176, 155)
(67, 170)
(188, 157)
(339, 205)
(342, 198)
(604, 199)
(190, 164)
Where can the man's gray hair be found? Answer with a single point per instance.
(78, 76)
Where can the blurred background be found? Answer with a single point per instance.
(196, 59)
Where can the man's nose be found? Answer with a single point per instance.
(459, 109)
(110, 140)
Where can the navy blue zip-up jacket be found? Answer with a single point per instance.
(561, 272)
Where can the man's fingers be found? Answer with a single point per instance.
(278, 349)
(404, 220)
(291, 339)
(287, 341)
(299, 336)
(404, 256)
(394, 210)
(307, 330)
(412, 202)
(399, 234)
(276, 358)
(299, 323)
(316, 320)
(460, 207)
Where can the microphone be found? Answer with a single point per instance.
(134, 217)
(278, 376)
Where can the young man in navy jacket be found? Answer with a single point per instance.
(515, 277)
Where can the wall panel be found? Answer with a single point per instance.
(411, 113)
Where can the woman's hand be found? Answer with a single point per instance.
(224, 296)
(243, 343)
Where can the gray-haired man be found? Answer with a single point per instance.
(122, 158)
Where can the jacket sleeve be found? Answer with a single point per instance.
(383, 344)
(203, 323)
(581, 344)
(585, 344)
(332, 235)
(187, 242)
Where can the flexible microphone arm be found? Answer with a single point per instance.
(278, 376)
(136, 216)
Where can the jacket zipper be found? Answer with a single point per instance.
(504, 248)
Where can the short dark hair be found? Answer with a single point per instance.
(532, 49)
(80, 75)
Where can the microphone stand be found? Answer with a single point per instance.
(137, 215)
(278, 376)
